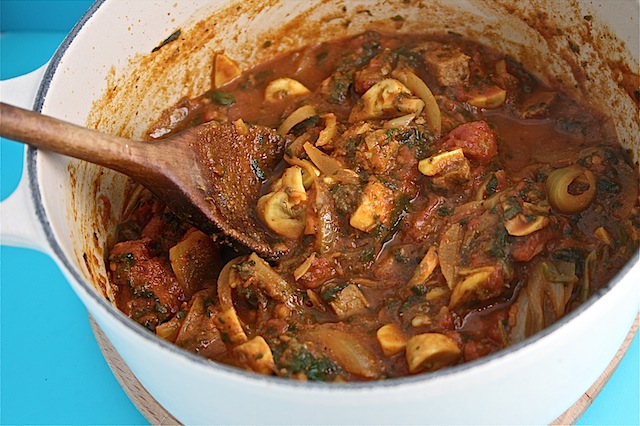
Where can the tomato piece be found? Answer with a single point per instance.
(477, 140)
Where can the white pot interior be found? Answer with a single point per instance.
(107, 78)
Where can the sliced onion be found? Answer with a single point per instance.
(561, 278)
(326, 164)
(519, 330)
(304, 267)
(420, 89)
(448, 252)
(227, 280)
(309, 171)
(399, 122)
(296, 117)
(347, 351)
(327, 228)
(425, 268)
(535, 289)
(272, 282)
(329, 131)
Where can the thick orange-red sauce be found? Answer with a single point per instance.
(503, 256)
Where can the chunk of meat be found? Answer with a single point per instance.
(526, 248)
(379, 151)
(378, 68)
(449, 65)
(198, 332)
(320, 271)
(349, 301)
(164, 230)
(375, 208)
(196, 262)
(146, 289)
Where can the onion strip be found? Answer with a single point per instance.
(418, 87)
(296, 117)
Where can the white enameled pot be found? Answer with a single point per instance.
(105, 76)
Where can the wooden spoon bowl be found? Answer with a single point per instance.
(210, 175)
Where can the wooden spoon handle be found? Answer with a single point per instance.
(55, 135)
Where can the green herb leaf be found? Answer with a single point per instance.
(168, 40)
(222, 98)
(260, 174)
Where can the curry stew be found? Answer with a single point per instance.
(439, 204)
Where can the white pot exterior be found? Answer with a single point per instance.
(531, 383)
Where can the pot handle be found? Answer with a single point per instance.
(19, 224)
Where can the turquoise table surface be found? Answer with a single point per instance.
(52, 371)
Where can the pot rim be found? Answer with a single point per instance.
(31, 161)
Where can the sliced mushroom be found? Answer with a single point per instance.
(451, 165)
(386, 99)
(430, 352)
(521, 225)
(391, 339)
(256, 356)
(296, 117)
(283, 210)
(420, 88)
(330, 129)
(282, 88)
(472, 285)
(425, 268)
(230, 326)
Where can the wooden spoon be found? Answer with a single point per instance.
(209, 175)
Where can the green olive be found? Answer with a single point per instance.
(558, 188)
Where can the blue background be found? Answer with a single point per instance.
(52, 371)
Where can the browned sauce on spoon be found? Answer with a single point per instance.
(210, 175)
